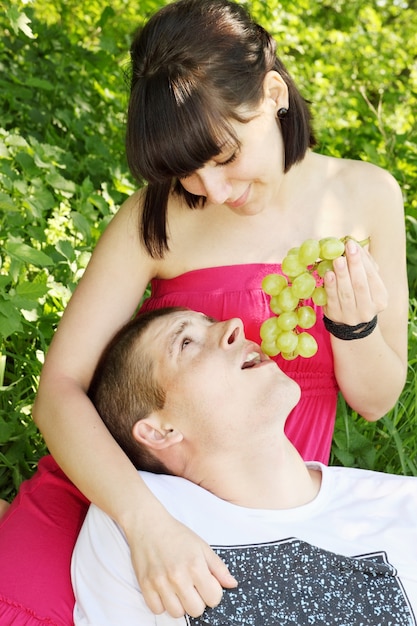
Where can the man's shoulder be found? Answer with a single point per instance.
(166, 483)
(174, 492)
(342, 480)
(357, 472)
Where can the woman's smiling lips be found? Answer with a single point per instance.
(240, 201)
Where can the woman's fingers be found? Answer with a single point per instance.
(355, 291)
(181, 574)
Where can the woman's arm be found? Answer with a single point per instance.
(371, 371)
(176, 569)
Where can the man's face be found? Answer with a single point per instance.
(213, 375)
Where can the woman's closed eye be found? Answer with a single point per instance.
(229, 160)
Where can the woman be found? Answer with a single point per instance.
(222, 137)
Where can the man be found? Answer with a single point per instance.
(193, 399)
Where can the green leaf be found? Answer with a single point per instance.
(27, 164)
(4, 281)
(39, 83)
(99, 202)
(27, 254)
(16, 141)
(6, 203)
(59, 182)
(81, 224)
(66, 249)
(6, 432)
(19, 21)
(107, 14)
(10, 319)
(4, 152)
(43, 199)
(31, 291)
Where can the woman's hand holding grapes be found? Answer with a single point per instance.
(355, 291)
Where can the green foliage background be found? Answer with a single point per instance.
(63, 174)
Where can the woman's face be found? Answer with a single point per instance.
(244, 177)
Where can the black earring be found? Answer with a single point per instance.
(282, 112)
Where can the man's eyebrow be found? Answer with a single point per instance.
(178, 331)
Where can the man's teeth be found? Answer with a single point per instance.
(252, 359)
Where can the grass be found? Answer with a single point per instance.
(389, 445)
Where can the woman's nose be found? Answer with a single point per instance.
(216, 187)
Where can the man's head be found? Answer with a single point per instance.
(175, 384)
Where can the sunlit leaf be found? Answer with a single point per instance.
(27, 254)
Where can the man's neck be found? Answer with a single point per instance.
(279, 479)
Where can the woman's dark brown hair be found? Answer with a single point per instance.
(194, 65)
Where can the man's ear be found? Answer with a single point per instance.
(155, 433)
(276, 89)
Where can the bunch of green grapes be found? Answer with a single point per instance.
(304, 267)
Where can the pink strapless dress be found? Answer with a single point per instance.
(39, 531)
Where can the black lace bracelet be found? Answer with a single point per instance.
(346, 332)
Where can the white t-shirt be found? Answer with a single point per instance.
(289, 563)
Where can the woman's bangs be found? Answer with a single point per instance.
(182, 136)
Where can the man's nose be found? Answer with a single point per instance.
(232, 332)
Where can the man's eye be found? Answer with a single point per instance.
(185, 342)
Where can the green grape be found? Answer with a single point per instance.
(307, 345)
(289, 356)
(324, 266)
(293, 251)
(291, 265)
(309, 252)
(287, 299)
(273, 284)
(319, 296)
(287, 320)
(275, 306)
(303, 285)
(287, 341)
(270, 348)
(306, 317)
(331, 248)
(270, 329)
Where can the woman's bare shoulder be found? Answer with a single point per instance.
(363, 176)
(132, 207)
(361, 183)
